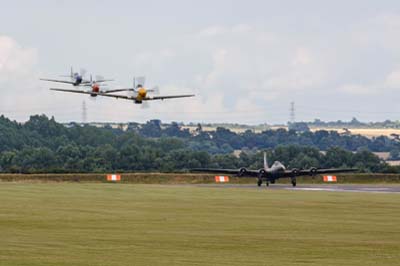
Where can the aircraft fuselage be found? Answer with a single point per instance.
(276, 171)
(77, 80)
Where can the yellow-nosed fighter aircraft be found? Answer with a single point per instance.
(138, 93)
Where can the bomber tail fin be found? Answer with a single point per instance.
(265, 161)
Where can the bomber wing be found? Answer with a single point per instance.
(315, 171)
(251, 173)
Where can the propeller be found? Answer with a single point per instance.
(155, 90)
(104, 87)
(82, 72)
(145, 105)
(130, 93)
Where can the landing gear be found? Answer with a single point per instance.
(294, 182)
(259, 182)
(267, 184)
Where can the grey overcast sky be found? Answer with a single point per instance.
(245, 60)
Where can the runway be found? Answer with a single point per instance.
(329, 188)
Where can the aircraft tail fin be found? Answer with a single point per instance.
(70, 75)
(265, 161)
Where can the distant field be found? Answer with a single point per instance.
(367, 132)
(124, 224)
(179, 178)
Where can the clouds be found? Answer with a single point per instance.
(15, 60)
(393, 79)
(17, 65)
(242, 59)
(368, 60)
(245, 63)
(271, 68)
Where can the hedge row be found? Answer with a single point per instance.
(164, 178)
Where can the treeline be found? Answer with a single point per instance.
(43, 145)
(223, 140)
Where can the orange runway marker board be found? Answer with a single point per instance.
(330, 178)
(114, 178)
(221, 179)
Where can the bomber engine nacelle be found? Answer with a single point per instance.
(295, 172)
(242, 171)
(261, 172)
(313, 171)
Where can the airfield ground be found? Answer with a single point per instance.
(133, 224)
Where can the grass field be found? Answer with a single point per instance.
(130, 224)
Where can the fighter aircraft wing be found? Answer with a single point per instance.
(103, 80)
(167, 97)
(117, 90)
(227, 171)
(95, 93)
(89, 82)
(59, 81)
(117, 96)
(315, 171)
